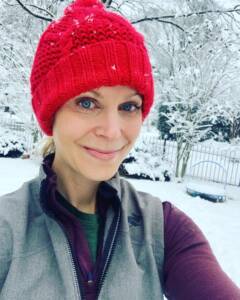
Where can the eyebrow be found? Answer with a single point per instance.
(100, 96)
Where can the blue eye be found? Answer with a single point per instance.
(130, 107)
(85, 103)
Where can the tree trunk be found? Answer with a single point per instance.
(183, 154)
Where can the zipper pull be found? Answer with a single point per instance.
(90, 281)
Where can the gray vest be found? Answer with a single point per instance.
(35, 258)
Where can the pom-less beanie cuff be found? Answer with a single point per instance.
(66, 66)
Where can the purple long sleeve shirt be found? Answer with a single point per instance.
(191, 270)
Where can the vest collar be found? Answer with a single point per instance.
(111, 187)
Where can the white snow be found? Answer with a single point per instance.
(220, 222)
(13, 172)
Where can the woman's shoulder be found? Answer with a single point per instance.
(176, 223)
(11, 214)
(16, 204)
(173, 216)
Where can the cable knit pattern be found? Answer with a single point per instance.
(88, 47)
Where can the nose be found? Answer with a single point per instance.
(109, 125)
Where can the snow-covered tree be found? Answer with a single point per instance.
(197, 68)
(19, 34)
(228, 111)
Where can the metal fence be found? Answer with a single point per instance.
(13, 125)
(220, 165)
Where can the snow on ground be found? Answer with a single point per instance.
(13, 172)
(220, 222)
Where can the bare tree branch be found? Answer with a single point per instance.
(33, 14)
(42, 9)
(236, 9)
(159, 20)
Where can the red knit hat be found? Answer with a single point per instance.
(87, 48)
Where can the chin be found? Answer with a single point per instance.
(102, 175)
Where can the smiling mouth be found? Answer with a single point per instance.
(104, 155)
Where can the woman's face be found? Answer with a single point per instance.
(94, 131)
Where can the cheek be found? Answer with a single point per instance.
(133, 129)
(68, 129)
(132, 134)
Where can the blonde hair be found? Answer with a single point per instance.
(48, 146)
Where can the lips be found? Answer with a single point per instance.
(101, 151)
(100, 154)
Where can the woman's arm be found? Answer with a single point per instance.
(191, 271)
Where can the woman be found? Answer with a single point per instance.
(79, 231)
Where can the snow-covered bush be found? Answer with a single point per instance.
(148, 167)
(146, 161)
(12, 143)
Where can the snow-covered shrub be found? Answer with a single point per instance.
(146, 161)
(12, 143)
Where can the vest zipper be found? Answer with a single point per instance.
(110, 252)
(110, 247)
(77, 281)
(76, 278)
